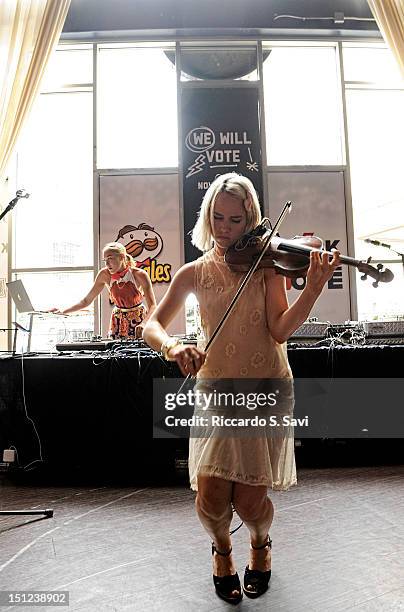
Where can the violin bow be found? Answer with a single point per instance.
(286, 209)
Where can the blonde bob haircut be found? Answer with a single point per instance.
(117, 248)
(236, 185)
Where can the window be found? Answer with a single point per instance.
(376, 135)
(385, 302)
(55, 289)
(302, 106)
(54, 227)
(370, 63)
(137, 108)
(68, 66)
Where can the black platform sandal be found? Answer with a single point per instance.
(255, 581)
(225, 585)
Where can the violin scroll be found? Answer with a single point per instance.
(380, 274)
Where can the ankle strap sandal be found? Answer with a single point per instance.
(267, 543)
(222, 554)
(256, 582)
(226, 586)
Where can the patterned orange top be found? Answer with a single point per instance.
(129, 309)
(123, 290)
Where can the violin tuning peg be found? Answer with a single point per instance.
(379, 267)
(364, 277)
(375, 284)
(369, 259)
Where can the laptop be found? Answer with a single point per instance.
(21, 298)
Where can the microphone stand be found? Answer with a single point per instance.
(402, 257)
(48, 513)
(21, 193)
(386, 246)
(398, 253)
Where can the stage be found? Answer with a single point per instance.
(93, 412)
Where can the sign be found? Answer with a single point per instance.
(221, 134)
(141, 212)
(318, 208)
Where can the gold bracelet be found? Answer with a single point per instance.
(168, 344)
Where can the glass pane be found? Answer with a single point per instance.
(48, 290)
(68, 66)
(54, 227)
(384, 302)
(137, 101)
(213, 63)
(193, 324)
(302, 107)
(374, 64)
(376, 134)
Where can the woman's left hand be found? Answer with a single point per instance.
(321, 270)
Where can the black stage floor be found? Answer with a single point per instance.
(124, 535)
(338, 545)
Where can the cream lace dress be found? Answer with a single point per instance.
(244, 349)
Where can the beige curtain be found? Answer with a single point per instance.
(389, 15)
(29, 31)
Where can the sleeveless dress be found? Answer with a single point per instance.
(129, 309)
(244, 353)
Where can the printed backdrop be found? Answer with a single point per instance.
(142, 212)
(221, 134)
(318, 200)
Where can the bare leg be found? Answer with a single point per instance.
(256, 510)
(213, 506)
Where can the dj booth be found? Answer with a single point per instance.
(91, 412)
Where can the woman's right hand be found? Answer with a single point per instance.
(55, 311)
(189, 358)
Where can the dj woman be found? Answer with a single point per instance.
(129, 287)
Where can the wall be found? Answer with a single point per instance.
(176, 15)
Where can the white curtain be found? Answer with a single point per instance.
(389, 15)
(29, 31)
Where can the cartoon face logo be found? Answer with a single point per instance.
(142, 241)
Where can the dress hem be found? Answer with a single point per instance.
(217, 473)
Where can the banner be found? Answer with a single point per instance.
(221, 133)
(141, 212)
(318, 208)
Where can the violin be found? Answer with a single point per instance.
(291, 257)
(262, 247)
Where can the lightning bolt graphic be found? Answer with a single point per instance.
(197, 166)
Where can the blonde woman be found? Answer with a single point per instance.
(235, 471)
(129, 287)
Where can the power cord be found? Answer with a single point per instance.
(40, 460)
(239, 526)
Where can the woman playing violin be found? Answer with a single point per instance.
(236, 472)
